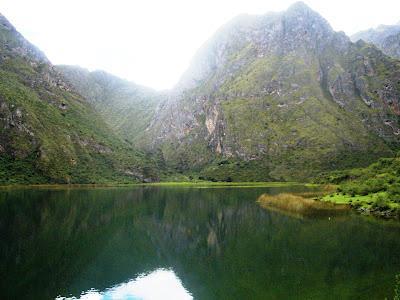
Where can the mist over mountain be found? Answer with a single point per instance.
(385, 37)
(280, 96)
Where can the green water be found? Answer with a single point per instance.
(184, 243)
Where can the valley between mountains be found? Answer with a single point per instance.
(272, 97)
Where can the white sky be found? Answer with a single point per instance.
(151, 42)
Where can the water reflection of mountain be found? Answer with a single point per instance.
(217, 241)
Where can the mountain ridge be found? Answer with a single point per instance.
(263, 62)
(385, 37)
(279, 96)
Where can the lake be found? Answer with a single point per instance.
(187, 243)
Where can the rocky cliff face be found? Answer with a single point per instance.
(48, 132)
(385, 37)
(282, 95)
(391, 45)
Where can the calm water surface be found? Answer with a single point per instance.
(186, 243)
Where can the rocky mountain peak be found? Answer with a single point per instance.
(299, 6)
(301, 15)
(300, 9)
(298, 30)
(263, 85)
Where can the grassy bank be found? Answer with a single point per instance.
(202, 184)
(376, 204)
(298, 205)
(374, 190)
(223, 184)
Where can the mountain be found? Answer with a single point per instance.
(385, 37)
(391, 45)
(376, 35)
(127, 107)
(49, 132)
(279, 96)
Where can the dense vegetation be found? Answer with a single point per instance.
(375, 188)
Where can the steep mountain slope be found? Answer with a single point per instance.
(279, 96)
(385, 37)
(128, 108)
(49, 133)
(391, 45)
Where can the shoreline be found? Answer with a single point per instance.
(375, 204)
(203, 184)
(363, 205)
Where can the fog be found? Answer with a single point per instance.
(151, 42)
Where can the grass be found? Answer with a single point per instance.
(371, 190)
(366, 201)
(203, 184)
(298, 205)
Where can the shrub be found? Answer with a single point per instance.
(380, 203)
(394, 192)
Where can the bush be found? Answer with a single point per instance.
(394, 192)
(372, 185)
(356, 205)
(380, 203)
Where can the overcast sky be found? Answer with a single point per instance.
(151, 42)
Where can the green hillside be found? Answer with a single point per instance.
(48, 133)
(126, 107)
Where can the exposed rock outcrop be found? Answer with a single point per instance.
(285, 89)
